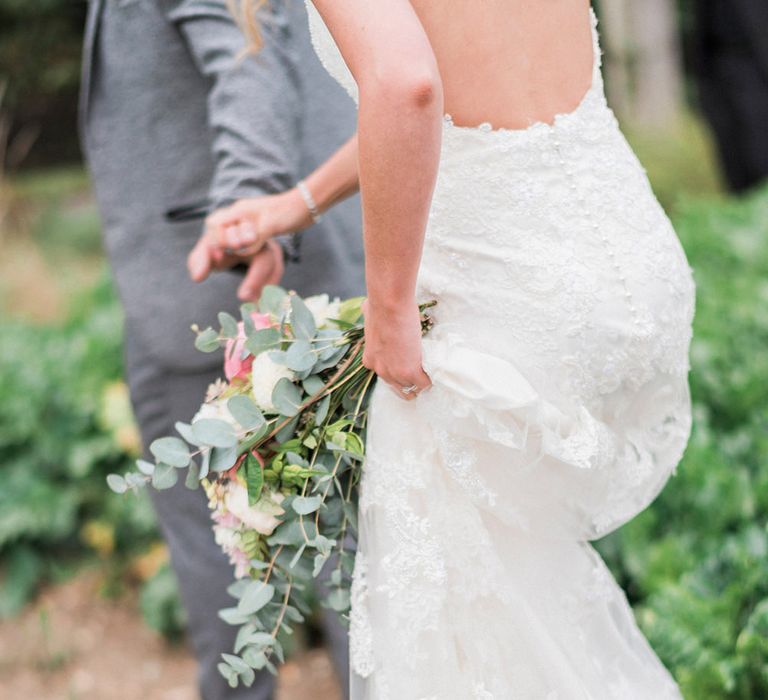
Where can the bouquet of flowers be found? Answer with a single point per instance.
(279, 448)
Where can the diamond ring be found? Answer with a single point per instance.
(409, 389)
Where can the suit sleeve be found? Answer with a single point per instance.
(253, 101)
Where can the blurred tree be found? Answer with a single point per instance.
(40, 62)
(643, 60)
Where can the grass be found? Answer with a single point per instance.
(50, 246)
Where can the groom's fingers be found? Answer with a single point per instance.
(266, 268)
(199, 260)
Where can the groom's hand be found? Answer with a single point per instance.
(209, 255)
(266, 267)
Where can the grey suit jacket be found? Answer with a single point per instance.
(170, 114)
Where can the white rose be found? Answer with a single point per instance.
(265, 374)
(217, 410)
(323, 308)
(260, 517)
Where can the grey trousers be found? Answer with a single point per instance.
(160, 398)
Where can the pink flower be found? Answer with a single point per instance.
(235, 367)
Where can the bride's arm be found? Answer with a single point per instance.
(399, 132)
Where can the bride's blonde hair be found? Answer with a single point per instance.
(244, 12)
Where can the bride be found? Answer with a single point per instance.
(549, 405)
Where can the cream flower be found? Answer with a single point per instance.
(217, 410)
(226, 538)
(323, 308)
(260, 517)
(265, 374)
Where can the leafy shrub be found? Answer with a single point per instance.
(64, 424)
(695, 564)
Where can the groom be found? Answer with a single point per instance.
(170, 115)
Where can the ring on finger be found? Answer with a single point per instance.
(412, 389)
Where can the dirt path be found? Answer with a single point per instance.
(72, 644)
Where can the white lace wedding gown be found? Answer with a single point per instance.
(560, 408)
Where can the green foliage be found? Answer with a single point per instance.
(695, 564)
(64, 425)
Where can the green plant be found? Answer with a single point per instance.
(61, 432)
(695, 564)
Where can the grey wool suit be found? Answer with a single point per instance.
(170, 115)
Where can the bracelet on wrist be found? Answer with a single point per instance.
(309, 200)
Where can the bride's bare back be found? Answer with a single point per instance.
(509, 62)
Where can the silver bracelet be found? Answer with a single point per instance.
(309, 200)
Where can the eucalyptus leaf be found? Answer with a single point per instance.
(320, 560)
(165, 476)
(248, 677)
(243, 633)
(326, 343)
(324, 545)
(271, 300)
(313, 385)
(291, 533)
(277, 648)
(185, 430)
(146, 468)
(205, 463)
(302, 319)
(339, 599)
(256, 596)
(237, 588)
(192, 480)
(214, 432)
(331, 361)
(297, 556)
(263, 340)
(255, 657)
(135, 481)
(228, 325)
(229, 673)
(171, 450)
(233, 616)
(287, 397)
(286, 432)
(304, 505)
(222, 458)
(292, 458)
(236, 663)
(300, 356)
(246, 314)
(207, 340)
(245, 411)
(294, 615)
(321, 411)
(117, 483)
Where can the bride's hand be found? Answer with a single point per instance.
(245, 226)
(393, 348)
